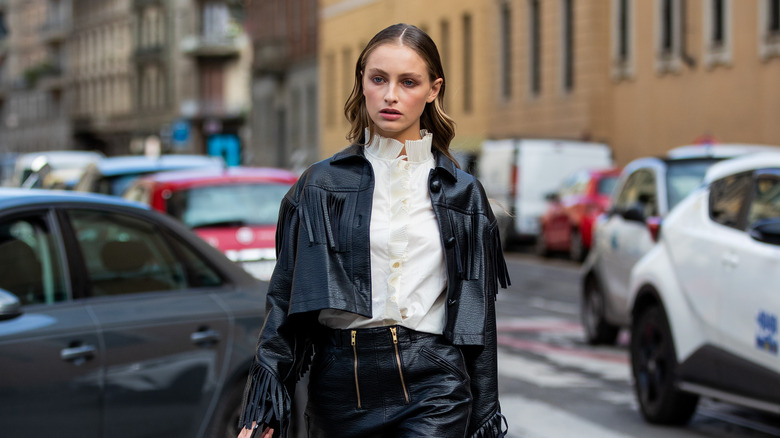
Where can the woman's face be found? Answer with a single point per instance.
(396, 86)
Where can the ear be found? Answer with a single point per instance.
(435, 87)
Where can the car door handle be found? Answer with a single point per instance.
(205, 337)
(78, 354)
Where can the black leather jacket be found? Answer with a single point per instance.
(323, 262)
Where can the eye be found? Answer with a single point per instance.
(377, 79)
(408, 83)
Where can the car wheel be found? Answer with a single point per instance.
(597, 329)
(225, 421)
(576, 247)
(654, 366)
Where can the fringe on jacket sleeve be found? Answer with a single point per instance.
(494, 427)
(267, 401)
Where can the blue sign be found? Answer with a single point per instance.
(181, 131)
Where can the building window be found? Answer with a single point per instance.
(717, 32)
(623, 38)
(506, 51)
(330, 92)
(348, 65)
(567, 38)
(467, 63)
(444, 45)
(769, 28)
(535, 49)
(668, 26)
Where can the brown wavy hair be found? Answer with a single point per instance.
(433, 118)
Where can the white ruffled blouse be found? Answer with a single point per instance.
(408, 273)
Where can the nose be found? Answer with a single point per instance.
(390, 94)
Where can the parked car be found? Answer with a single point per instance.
(567, 224)
(647, 190)
(235, 209)
(116, 320)
(518, 173)
(52, 169)
(113, 175)
(704, 300)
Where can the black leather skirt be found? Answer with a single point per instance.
(387, 382)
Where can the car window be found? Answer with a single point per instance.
(199, 271)
(683, 176)
(639, 191)
(234, 204)
(727, 198)
(606, 185)
(125, 255)
(29, 263)
(766, 199)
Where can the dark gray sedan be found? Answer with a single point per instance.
(117, 321)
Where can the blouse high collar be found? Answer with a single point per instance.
(417, 151)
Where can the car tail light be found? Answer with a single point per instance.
(654, 226)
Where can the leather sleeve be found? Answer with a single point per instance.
(482, 362)
(282, 350)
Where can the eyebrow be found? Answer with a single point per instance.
(375, 70)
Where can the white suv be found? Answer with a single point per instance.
(647, 190)
(705, 301)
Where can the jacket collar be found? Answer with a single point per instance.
(355, 151)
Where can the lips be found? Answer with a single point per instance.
(390, 114)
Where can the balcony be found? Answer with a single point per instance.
(150, 53)
(211, 109)
(222, 45)
(142, 3)
(271, 56)
(55, 30)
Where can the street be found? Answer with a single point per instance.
(553, 384)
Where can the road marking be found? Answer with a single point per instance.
(533, 419)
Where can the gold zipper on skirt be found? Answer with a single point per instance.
(398, 360)
(354, 351)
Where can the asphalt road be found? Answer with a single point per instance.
(554, 385)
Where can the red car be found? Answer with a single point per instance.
(234, 209)
(567, 224)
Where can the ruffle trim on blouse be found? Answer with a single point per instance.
(495, 427)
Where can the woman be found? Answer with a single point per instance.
(388, 266)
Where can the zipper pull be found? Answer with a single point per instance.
(395, 336)
(353, 337)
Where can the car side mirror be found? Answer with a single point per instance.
(634, 213)
(766, 230)
(10, 307)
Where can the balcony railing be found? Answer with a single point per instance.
(211, 108)
(55, 30)
(213, 45)
(271, 55)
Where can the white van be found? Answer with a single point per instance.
(519, 173)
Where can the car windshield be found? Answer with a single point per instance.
(683, 176)
(607, 185)
(228, 205)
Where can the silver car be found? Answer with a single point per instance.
(117, 321)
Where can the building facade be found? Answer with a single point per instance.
(33, 59)
(120, 75)
(284, 120)
(642, 76)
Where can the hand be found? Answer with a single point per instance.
(247, 433)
